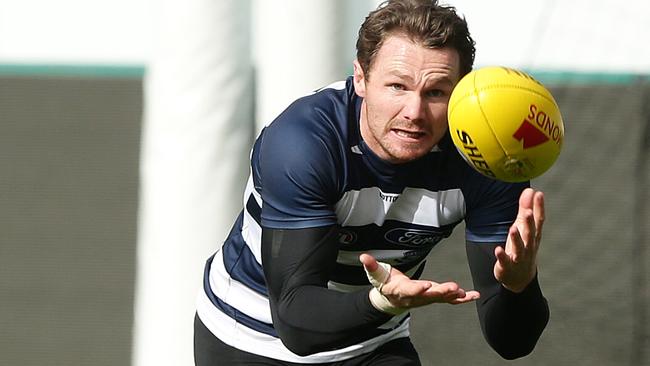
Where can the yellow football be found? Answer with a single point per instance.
(505, 124)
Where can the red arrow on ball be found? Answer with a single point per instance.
(530, 134)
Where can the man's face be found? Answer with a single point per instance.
(406, 92)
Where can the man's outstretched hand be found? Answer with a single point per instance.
(402, 293)
(516, 264)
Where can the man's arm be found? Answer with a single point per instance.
(512, 310)
(511, 322)
(309, 317)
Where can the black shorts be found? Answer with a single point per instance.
(210, 351)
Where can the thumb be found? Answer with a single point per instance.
(377, 272)
(369, 262)
(502, 257)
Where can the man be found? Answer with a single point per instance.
(361, 171)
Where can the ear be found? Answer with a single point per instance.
(359, 79)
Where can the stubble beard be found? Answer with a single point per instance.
(391, 151)
(398, 152)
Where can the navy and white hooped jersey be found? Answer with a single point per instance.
(311, 168)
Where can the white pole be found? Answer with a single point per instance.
(195, 146)
(298, 48)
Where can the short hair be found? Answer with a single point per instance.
(425, 22)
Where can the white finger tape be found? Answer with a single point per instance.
(380, 275)
(377, 279)
(380, 302)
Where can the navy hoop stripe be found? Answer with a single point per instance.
(231, 311)
(241, 264)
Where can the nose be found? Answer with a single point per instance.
(413, 107)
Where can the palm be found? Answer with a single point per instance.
(404, 292)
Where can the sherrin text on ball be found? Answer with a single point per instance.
(505, 124)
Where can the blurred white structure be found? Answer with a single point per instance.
(103, 32)
(298, 49)
(580, 35)
(196, 137)
(215, 69)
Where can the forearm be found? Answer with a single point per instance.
(314, 319)
(309, 317)
(511, 322)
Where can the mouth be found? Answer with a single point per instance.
(408, 135)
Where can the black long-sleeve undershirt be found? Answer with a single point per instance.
(309, 318)
(511, 322)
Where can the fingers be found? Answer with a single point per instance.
(469, 296)
(409, 288)
(503, 259)
(539, 214)
(525, 220)
(513, 251)
(515, 245)
(526, 198)
(516, 264)
(534, 201)
(451, 293)
(529, 223)
(378, 274)
(523, 236)
(394, 292)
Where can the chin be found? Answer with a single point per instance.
(406, 155)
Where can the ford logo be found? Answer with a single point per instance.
(413, 237)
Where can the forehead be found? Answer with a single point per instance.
(398, 53)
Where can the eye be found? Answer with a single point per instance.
(435, 93)
(396, 86)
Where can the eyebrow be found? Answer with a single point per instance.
(401, 75)
(435, 80)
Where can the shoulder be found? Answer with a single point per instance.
(314, 126)
(299, 159)
(322, 112)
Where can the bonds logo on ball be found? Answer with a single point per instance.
(505, 124)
